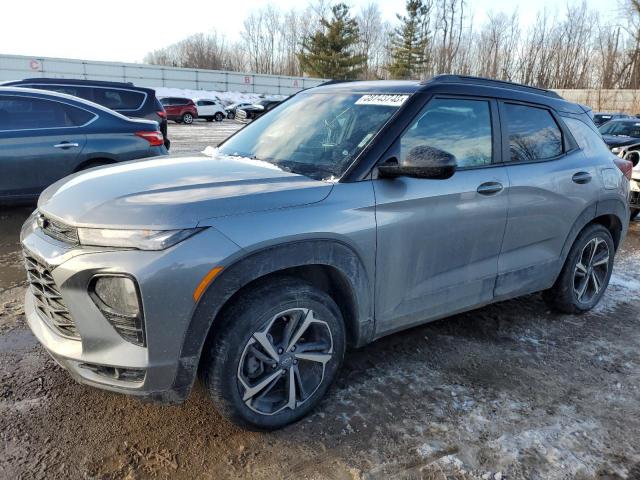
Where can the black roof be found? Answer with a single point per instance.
(458, 84)
(76, 82)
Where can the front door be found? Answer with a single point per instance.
(40, 141)
(438, 241)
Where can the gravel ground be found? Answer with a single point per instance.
(507, 391)
(195, 137)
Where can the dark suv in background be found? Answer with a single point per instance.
(125, 98)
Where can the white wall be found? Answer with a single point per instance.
(17, 67)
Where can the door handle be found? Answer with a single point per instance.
(66, 145)
(581, 177)
(490, 188)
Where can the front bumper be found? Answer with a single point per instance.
(166, 280)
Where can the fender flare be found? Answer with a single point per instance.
(331, 253)
(613, 207)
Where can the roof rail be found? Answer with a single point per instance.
(491, 83)
(71, 80)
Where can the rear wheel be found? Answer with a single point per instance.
(278, 349)
(586, 272)
(187, 118)
(218, 117)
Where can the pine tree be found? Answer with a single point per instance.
(410, 41)
(330, 51)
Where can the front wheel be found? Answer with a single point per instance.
(586, 272)
(278, 349)
(218, 117)
(231, 115)
(187, 118)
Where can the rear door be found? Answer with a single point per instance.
(206, 108)
(438, 241)
(40, 142)
(552, 183)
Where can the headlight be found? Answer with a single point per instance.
(616, 149)
(139, 239)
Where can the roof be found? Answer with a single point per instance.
(77, 82)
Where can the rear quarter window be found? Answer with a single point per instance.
(588, 140)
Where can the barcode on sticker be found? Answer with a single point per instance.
(382, 99)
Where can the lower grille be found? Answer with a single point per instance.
(48, 300)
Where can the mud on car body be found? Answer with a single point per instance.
(346, 213)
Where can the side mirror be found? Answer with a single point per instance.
(422, 161)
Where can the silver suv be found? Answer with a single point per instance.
(349, 212)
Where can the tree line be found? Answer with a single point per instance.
(571, 50)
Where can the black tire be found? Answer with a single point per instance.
(634, 213)
(563, 295)
(187, 118)
(218, 117)
(252, 314)
(209, 119)
(231, 115)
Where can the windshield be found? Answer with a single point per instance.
(315, 134)
(630, 129)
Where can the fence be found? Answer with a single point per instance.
(627, 101)
(16, 67)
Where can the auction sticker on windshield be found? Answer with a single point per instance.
(382, 99)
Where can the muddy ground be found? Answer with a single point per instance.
(508, 391)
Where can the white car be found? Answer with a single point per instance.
(210, 109)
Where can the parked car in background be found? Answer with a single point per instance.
(350, 212)
(180, 110)
(125, 98)
(601, 118)
(620, 132)
(231, 109)
(251, 112)
(622, 136)
(45, 136)
(210, 109)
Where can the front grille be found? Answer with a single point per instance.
(48, 300)
(58, 230)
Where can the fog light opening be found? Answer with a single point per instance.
(116, 373)
(118, 298)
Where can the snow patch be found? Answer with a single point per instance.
(226, 98)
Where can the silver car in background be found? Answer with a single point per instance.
(348, 212)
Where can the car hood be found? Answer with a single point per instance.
(176, 192)
(619, 140)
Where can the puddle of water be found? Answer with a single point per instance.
(16, 341)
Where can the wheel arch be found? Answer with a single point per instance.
(329, 265)
(101, 160)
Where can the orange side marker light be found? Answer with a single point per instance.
(204, 283)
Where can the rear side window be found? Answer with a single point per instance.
(28, 113)
(533, 133)
(118, 99)
(457, 126)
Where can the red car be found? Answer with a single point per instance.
(180, 110)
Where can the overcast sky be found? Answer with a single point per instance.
(122, 30)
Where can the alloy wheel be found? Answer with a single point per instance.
(283, 364)
(188, 118)
(591, 270)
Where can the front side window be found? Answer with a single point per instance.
(315, 134)
(27, 113)
(457, 126)
(533, 133)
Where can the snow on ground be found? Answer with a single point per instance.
(226, 97)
